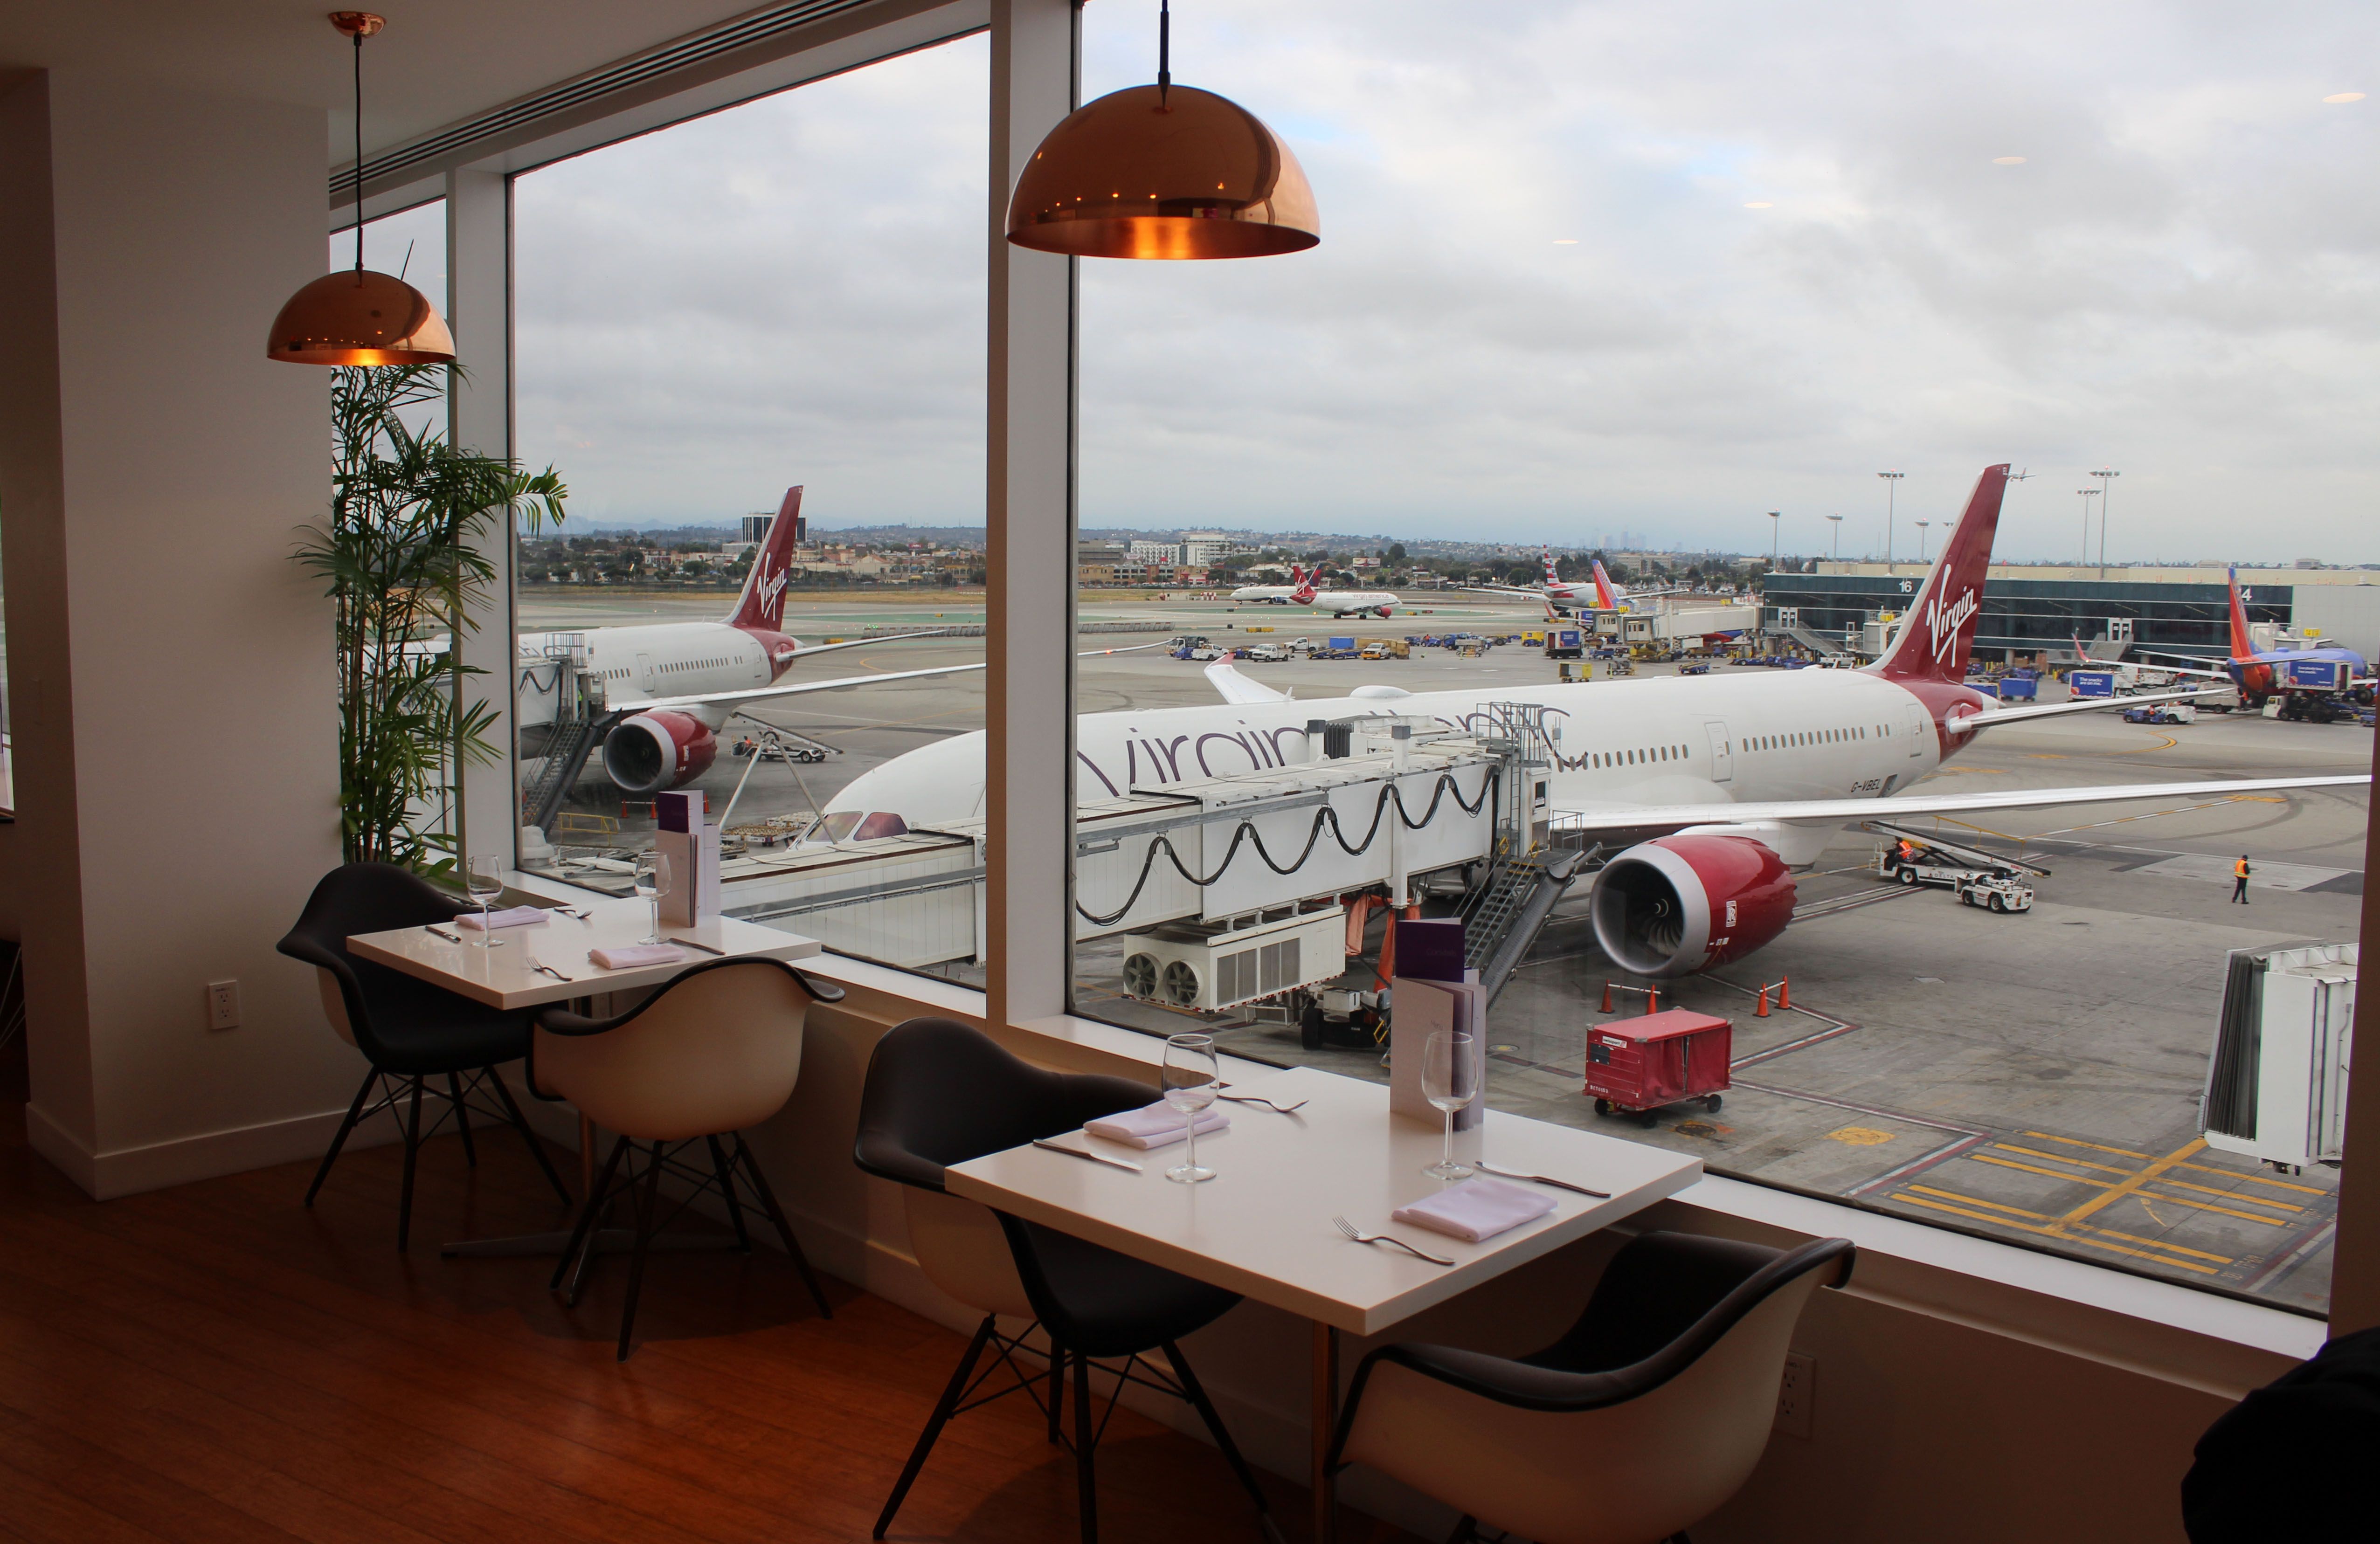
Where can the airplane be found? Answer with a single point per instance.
(669, 688)
(1271, 595)
(1601, 593)
(2259, 673)
(1343, 603)
(1716, 789)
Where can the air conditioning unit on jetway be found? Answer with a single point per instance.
(1211, 968)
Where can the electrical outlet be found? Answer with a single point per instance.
(223, 1005)
(1797, 1394)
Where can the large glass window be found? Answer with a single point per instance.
(783, 298)
(1654, 288)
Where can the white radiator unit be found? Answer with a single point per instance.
(2277, 1083)
(1211, 969)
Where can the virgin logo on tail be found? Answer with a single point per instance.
(1934, 642)
(1304, 594)
(761, 607)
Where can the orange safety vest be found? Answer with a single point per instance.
(2239, 869)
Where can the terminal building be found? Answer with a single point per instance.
(2035, 612)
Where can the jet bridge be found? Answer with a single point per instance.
(1245, 849)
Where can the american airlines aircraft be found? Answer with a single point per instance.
(1715, 788)
(669, 688)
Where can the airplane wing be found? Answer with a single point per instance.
(841, 683)
(1653, 819)
(2183, 669)
(1994, 718)
(863, 643)
(1500, 590)
(1234, 687)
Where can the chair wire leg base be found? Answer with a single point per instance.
(1195, 1392)
(944, 1408)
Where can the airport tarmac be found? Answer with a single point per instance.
(2033, 1078)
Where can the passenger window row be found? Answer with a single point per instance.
(1640, 757)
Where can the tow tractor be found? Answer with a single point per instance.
(1976, 878)
(2162, 713)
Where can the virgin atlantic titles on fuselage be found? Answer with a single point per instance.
(1724, 784)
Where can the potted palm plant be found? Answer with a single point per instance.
(402, 555)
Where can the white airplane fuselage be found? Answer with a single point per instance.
(1668, 740)
(656, 660)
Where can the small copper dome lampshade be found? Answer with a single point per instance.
(1164, 172)
(357, 317)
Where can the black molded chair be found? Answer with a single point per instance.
(711, 1054)
(1638, 1423)
(415, 1035)
(938, 1093)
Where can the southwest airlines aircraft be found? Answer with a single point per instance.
(2256, 672)
(1715, 788)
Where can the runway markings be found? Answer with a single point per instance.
(1860, 1136)
(2096, 1147)
(2255, 1179)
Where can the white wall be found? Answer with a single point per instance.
(171, 666)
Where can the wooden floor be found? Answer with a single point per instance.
(216, 1363)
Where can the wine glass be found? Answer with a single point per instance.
(653, 877)
(1190, 1087)
(1449, 1080)
(485, 880)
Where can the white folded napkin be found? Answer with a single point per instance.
(518, 916)
(1476, 1209)
(627, 957)
(1158, 1125)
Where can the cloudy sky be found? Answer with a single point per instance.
(1586, 268)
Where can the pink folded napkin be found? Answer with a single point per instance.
(627, 957)
(1158, 1125)
(518, 916)
(1476, 1209)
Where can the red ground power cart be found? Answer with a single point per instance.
(1636, 1066)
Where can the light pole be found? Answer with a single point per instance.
(2086, 495)
(1892, 486)
(1776, 523)
(2107, 475)
(1839, 536)
(1920, 540)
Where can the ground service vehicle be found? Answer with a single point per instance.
(1636, 1066)
(1976, 878)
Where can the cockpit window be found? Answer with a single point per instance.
(838, 825)
(883, 823)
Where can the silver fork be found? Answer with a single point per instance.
(543, 969)
(1344, 1225)
(1259, 1099)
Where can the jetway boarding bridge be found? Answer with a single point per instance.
(1245, 849)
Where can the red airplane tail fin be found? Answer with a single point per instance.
(763, 604)
(1937, 631)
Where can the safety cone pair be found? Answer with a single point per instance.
(1784, 997)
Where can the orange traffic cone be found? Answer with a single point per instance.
(1652, 999)
(1785, 991)
(1762, 1011)
(1607, 995)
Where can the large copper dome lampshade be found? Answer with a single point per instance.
(357, 317)
(1163, 172)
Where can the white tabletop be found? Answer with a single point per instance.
(507, 977)
(1262, 1227)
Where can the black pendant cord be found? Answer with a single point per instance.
(359, 151)
(1164, 50)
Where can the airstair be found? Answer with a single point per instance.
(578, 725)
(1527, 873)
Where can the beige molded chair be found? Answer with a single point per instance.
(1637, 1423)
(711, 1054)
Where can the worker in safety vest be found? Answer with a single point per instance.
(2240, 872)
(1908, 850)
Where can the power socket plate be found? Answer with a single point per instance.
(1797, 1395)
(223, 1005)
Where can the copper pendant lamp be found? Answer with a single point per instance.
(1163, 172)
(357, 317)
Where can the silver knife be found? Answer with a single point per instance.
(1540, 1178)
(450, 938)
(692, 945)
(1087, 1157)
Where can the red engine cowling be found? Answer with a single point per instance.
(1677, 905)
(653, 752)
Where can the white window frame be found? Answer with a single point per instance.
(2195, 1337)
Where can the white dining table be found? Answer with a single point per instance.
(1262, 1227)
(504, 974)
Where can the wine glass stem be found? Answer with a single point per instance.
(1448, 1158)
(656, 919)
(1190, 1154)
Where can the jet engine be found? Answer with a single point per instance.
(1679, 904)
(653, 752)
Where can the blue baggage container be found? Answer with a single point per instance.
(2019, 689)
(1342, 643)
(2090, 683)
